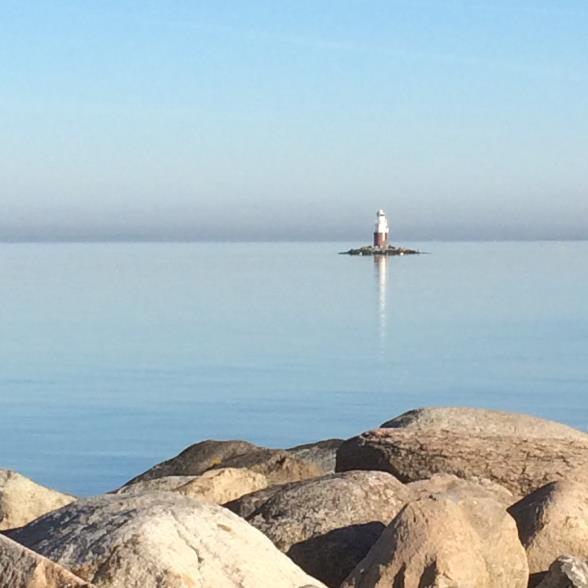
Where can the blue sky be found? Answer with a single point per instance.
(293, 119)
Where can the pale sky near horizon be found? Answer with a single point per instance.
(293, 119)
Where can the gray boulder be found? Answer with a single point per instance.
(22, 500)
(22, 568)
(160, 540)
(521, 465)
(328, 524)
(566, 572)
(484, 422)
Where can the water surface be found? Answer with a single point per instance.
(116, 356)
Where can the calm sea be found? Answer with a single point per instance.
(116, 356)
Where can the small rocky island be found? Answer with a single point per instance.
(381, 245)
(389, 250)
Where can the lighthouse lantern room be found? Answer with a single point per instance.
(381, 231)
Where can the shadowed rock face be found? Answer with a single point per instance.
(487, 423)
(553, 521)
(22, 500)
(249, 503)
(458, 541)
(326, 525)
(22, 568)
(521, 465)
(277, 465)
(160, 540)
(330, 557)
(566, 572)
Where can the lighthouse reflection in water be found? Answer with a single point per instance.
(381, 272)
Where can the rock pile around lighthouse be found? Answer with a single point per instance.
(434, 498)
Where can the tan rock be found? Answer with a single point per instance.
(160, 540)
(485, 506)
(223, 484)
(438, 542)
(553, 521)
(521, 465)
(328, 524)
(430, 543)
(22, 568)
(22, 500)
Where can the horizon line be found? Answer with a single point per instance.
(147, 240)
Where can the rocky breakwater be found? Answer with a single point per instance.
(434, 498)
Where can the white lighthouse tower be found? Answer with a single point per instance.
(381, 231)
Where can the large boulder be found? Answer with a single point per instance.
(480, 421)
(160, 540)
(277, 465)
(22, 500)
(553, 521)
(566, 572)
(443, 542)
(320, 453)
(22, 568)
(327, 525)
(520, 464)
(222, 485)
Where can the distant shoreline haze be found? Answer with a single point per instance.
(353, 235)
(319, 228)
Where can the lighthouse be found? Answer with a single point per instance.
(381, 246)
(381, 230)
